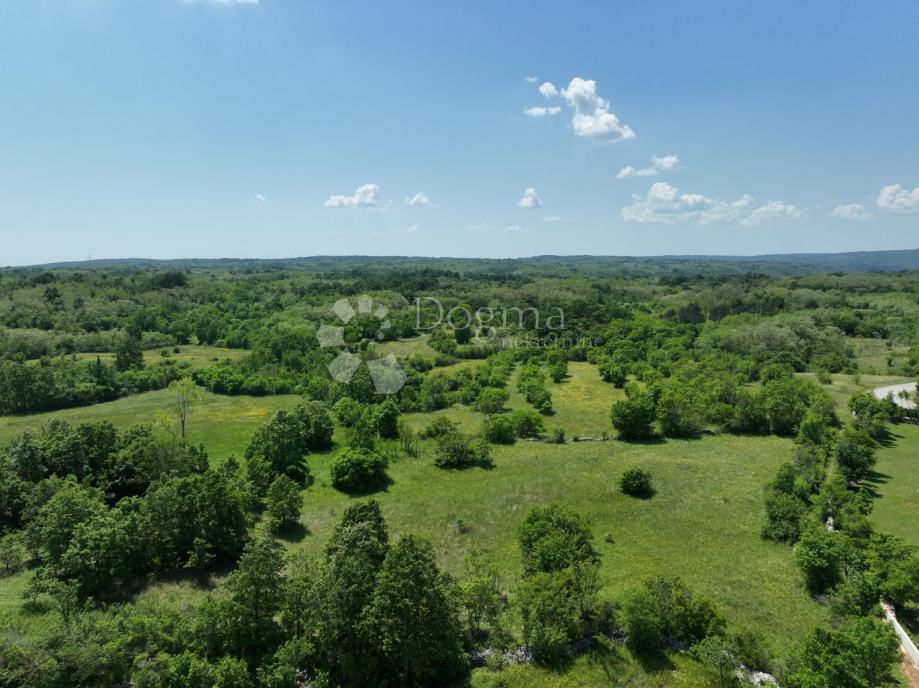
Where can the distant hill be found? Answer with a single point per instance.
(775, 264)
(856, 261)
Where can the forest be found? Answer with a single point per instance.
(655, 472)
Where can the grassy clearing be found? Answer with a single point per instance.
(896, 479)
(407, 347)
(600, 668)
(703, 523)
(223, 424)
(878, 356)
(198, 356)
(582, 401)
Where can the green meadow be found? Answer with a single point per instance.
(702, 524)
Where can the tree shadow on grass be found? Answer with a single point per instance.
(872, 483)
(293, 533)
(381, 485)
(643, 495)
(649, 441)
(610, 658)
(654, 661)
(888, 439)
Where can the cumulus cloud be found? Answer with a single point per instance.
(418, 199)
(411, 229)
(850, 211)
(666, 163)
(539, 111)
(664, 204)
(261, 198)
(514, 228)
(552, 218)
(530, 199)
(547, 88)
(592, 117)
(531, 79)
(365, 196)
(895, 199)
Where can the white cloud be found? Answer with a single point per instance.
(629, 171)
(542, 111)
(514, 228)
(418, 199)
(895, 199)
(773, 211)
(365, 196)
(261, 198)
(530, 199)
(547, 88)
(850, 211)
(592, 118)
(531, 79)
(667, 163)
(411, 229)
(552, 218)
(664, 204)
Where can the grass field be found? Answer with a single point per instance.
(223, 424)
(702, 524)
(197, 356)
(407, 347)
(582, 401)
(896, 479)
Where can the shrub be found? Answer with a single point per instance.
(491, 400)
(456, 450)
(553, 538)
(347, 411)
(527, 423)
(665, 608)
(633, 417)
(358, 469)
(499, 430)
(440, 426)
(613, 373)
(636, 482)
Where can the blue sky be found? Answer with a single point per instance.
(273, 128)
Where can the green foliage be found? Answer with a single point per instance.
(286, 439)
(358, 470)
(411, 619)
(854, 453)
(128, 355)
(665, 608)
(861, 652)
(282, 504)
(439, 427)
(820, 555)
(456, 450)
(553, 538)
(500, 430)
(636, 482)
(491, 400)
(633, 417)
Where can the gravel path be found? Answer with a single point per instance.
(884, 392)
